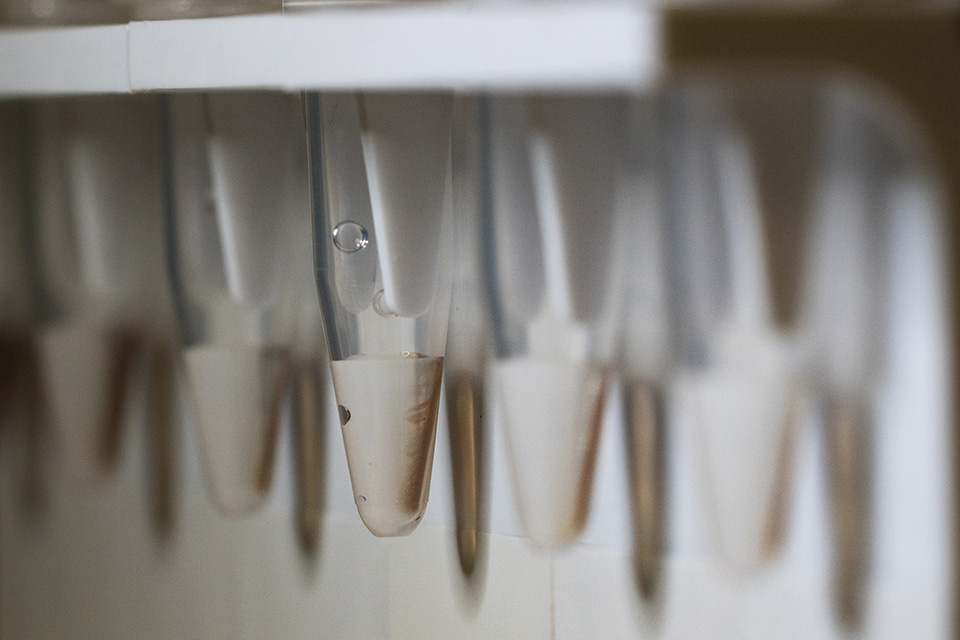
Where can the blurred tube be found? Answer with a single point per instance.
(162, 437)
(309, 391)
(780, 122)
(308, 441)
(843, 324)
(467, 339)
(380, 174)
(16, 307)
(778, 511)
(741, 370)
(23, 441)
(848, 462)
(844, 273)
(63, 12)
(123, 346)
(232, 172)
(74, 403)
(96, 207)
(647, 353)
(552, 171)
(15, 285)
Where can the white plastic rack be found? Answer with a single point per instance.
(568, 46)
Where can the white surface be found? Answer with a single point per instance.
(445, 46)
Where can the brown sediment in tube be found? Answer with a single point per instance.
(774, 530)
(645, 454)
(553, 413)
(268, 445)
(162, 437)
(423, 416)
(465, 423)
(595, 398)
(124, 344)
(390, 406)
(848, 457)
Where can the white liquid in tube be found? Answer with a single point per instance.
(388, 412)
(234, 387)
(552, 415)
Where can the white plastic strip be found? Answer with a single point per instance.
(566, 46)
(66, 61)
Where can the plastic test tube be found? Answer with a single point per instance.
(380, 182)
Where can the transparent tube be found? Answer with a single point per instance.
(552, 172)
(21, 431)
(310, 379)
(843, 323)
(96, 200)
(741, 370)
(380, 172)
(468, 341)
(234, 171)
(15, 300)
(843, 300)
(646, 355)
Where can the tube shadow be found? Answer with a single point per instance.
(468, 456)
(644, 426)
(309, 444)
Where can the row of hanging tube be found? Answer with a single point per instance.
(570, 240)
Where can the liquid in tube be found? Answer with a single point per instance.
(236, 397)
(553, 412)
(389, 467)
